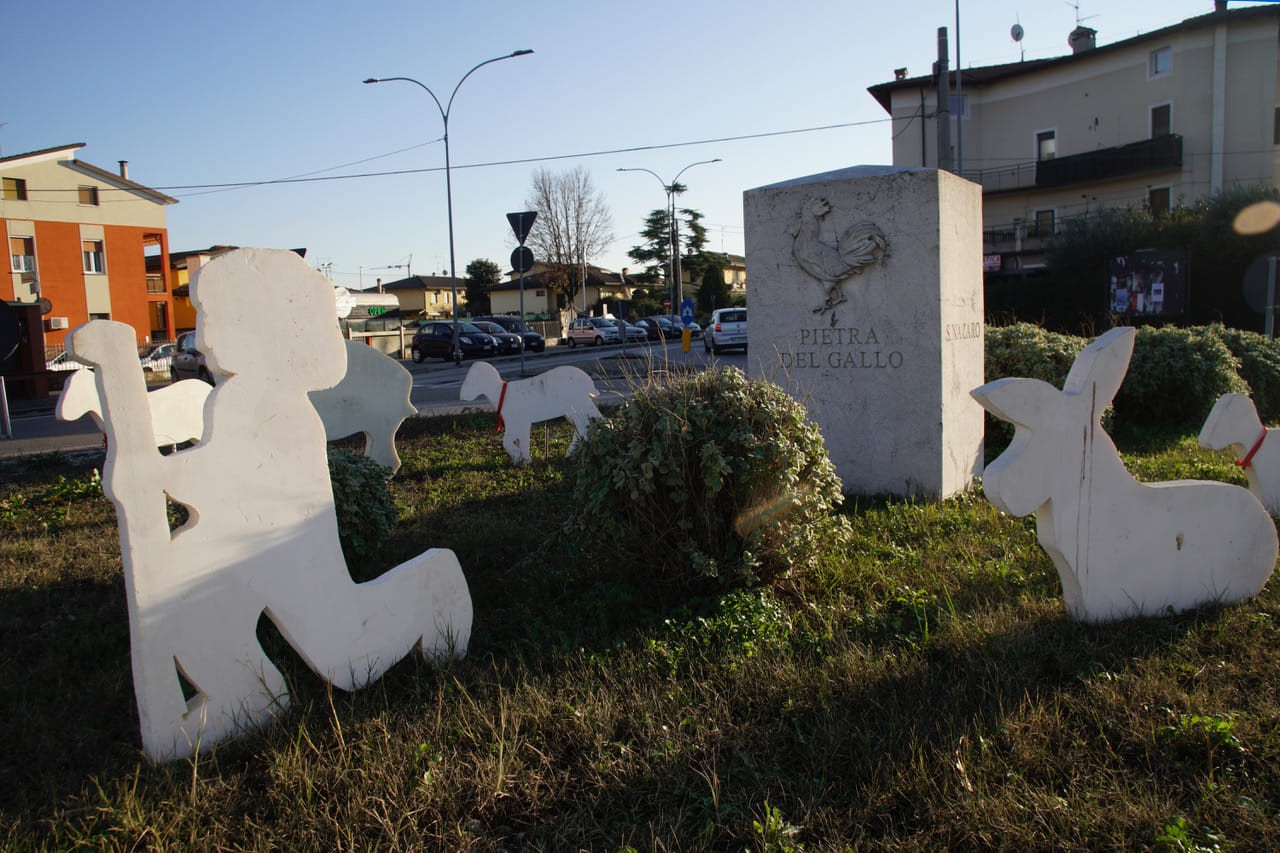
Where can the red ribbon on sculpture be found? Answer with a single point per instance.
(502, 397)
(1248, 457)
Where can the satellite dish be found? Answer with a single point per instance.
(1016, 32)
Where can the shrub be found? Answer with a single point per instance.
(710, 481)
(1259, 361)
(1174, 377)
(366, 512)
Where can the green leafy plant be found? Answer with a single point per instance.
(774, 834)
(709, 480)
(366, 511)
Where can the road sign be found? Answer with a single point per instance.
(666, 303)
(686, 311)
(522, 259)
(522, 223)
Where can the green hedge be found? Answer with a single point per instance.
(1174, 378)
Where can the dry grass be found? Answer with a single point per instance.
(921, 689)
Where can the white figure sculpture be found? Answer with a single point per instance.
(262, 536)
(372, 399)
(561, 391)
(1234, 421)
(1122, 548)
(177, 410)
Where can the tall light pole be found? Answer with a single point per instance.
(672, 189)
(448, 180)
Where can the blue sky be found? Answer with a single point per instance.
(196, 94)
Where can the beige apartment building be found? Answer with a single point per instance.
(1166, 117)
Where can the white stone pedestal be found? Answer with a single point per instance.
(864, 297)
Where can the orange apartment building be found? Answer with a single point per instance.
(79, 241)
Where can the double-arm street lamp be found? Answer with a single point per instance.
(672, 189)
(448, 181)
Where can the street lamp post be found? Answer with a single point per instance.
(448, 180)
(672, 189)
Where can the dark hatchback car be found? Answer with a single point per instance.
(533, 342)
(658, 328)
(435, 340)
(508, 342)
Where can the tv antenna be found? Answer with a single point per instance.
(1076, 6)
(1016, 33)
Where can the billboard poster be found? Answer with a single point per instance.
(1148, 283)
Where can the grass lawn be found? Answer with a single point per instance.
(922, 689)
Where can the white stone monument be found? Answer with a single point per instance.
(1122, 548)
(864, 288)
(262, 534)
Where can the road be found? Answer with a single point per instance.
(435, 388)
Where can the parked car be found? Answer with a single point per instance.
(695, 331)
(63, 361)
(631, 333)
(657, 328)
(533, 342)
(435, 339)
(508, 342)
(592, 331)
(187, 362)
(157, 358)
(727, 329)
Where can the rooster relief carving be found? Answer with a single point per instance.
(857, 247)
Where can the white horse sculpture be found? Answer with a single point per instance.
(262, 536)
(559, 392)
(1234, 421)
(372, 399)
(1122, 548)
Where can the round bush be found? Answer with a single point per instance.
(708, 482)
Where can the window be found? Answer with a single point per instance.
(1161, 120)
(91, 250)
(22, 254)
(1046, 144)
(159, 320)
(155, 283)
(1044, 223)
(1160, 62)
(1275, 132)
(15, 189)
(89, 196)
(1158, 199)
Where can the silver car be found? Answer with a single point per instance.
(592, 331)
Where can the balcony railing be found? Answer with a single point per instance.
(155, 284)
(1148, 155)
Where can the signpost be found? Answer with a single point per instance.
(686, 317)
(522, 261)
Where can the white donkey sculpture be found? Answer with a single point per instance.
(1122, 548)
(1234, 421)
(560, 392)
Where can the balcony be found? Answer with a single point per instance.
(1136, 158)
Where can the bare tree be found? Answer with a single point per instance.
(573, 225)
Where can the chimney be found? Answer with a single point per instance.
(124, 169)
(1219, 5)
(1082, 39)
(900, 73)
